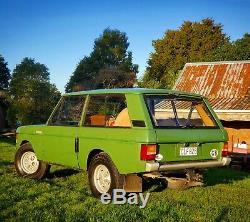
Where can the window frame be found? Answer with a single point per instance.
(62, 99)
(104, 126)
(172, 97)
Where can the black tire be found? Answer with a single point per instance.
(42, 169)
(116, 179)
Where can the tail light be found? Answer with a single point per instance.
(225, 150)
(148, 151)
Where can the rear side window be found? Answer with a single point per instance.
(107, 111)
(179, 112)
(68, 112)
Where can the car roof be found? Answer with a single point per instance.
(132, 91)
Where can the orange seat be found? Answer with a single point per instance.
(123, 119)
(98, 120)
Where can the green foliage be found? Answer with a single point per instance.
(167, 81)
(31, 95)
(232, 51)
(114, 77)
(83, 77)
(110, 59)
(147, 82)
(190, 43)
(65, 196)
(4, 74)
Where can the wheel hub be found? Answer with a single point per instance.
(102, 178)
(29, 162)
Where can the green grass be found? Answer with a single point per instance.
(65, 195)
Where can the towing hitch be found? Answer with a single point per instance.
(190, 179)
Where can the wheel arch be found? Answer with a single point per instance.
(42, 168)
(92, 153)
(24, 142)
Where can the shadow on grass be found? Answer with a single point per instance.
(215, 176)
(6, 167)
(154, 185)
(223, 215)
(5, 163)
(211, 177)
(10, 141)
(62, 173)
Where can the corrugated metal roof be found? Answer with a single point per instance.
(225, 84)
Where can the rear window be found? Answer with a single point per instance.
(179, 112)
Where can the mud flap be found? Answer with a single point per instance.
(132, 183)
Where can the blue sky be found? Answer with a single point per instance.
(58, 33)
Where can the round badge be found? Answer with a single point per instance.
(214, 153)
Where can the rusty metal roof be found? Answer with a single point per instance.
(225, 84)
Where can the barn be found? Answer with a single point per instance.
(227, 87)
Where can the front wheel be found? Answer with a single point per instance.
(103, 175)
(27, 164)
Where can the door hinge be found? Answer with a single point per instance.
(77, 145)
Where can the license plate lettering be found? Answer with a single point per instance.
(188, 151)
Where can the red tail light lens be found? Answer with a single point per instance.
(225, 150)
(148, 151)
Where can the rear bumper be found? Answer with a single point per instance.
(154, 166)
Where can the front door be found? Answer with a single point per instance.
(59, 137)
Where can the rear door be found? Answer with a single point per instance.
(185, 129)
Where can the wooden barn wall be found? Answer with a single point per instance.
(238, 133)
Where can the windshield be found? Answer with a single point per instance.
(179, 112)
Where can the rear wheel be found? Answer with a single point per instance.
(103, 175)
(27, 164)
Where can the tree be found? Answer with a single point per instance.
(232, 51)
(4, 74)
(190, 43)
(83, 77)
(32, 96)
(110, 55)
(115, 78)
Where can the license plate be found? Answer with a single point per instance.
(188, 151)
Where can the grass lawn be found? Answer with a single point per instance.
(65, 195)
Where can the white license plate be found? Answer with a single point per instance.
(188, 151)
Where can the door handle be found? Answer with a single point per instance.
(77, 145)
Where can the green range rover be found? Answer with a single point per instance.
(122, 136)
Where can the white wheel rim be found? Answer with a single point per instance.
(102, 178)
(29, 162)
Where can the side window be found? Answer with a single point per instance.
(117, 112)
(107, 111)
(68, 112)
(95, 115)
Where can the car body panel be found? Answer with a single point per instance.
(56, 144)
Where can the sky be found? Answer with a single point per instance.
(59, 33)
